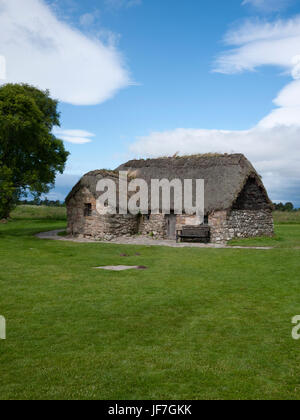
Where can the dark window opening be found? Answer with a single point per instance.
(87, 210)
(205, 221)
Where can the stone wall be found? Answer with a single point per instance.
(187, 220)
(240, 224)
(218, 227)
(224, 225)
(154, 225)
(251, 223)
(102, 227)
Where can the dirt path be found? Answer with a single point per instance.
(140, 240)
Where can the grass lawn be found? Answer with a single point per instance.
(286, 236)
(198, 324)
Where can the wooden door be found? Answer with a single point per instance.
(171, 226)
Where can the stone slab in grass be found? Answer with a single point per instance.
(121, 267)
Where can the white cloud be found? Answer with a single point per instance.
(273, 144)
(43, 51)
(263, 146)
(278, 44)
(289, 96)
(258, 43)
(296, 67)
(268, 5)
(74, 136)
(289, 116)
(275, 152)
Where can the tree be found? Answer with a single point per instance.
(289, 207)
(30, 155)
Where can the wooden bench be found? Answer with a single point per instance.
(200, 233)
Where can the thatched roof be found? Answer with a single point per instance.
(90, 181)
(225, 176)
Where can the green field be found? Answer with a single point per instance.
(283, 217)
(198, 324)
(39, 212)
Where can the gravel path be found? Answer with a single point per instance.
(140, 240)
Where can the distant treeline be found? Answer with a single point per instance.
(39, 202)
(51, 203)
(285, 207)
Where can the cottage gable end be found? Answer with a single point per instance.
(253, 196)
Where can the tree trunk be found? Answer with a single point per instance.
(6, 209)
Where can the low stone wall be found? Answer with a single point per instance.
(240, 224)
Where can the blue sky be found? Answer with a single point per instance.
(141, 78)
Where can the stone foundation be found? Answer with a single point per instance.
(225, 225)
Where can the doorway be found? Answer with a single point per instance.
(171, 226)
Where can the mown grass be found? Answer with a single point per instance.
(286, 236)
(198, 324)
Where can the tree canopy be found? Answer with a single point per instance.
(30, 154)
(284, 207)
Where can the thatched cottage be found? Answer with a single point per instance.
(236, 202)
